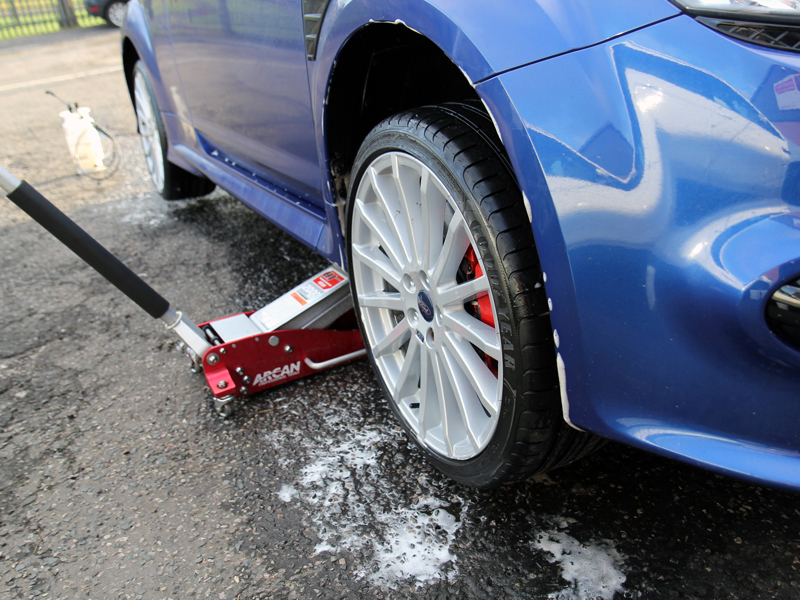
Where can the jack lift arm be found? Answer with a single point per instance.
(240, 354)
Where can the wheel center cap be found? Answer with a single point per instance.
(425, 305)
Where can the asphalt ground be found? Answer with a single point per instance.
(118, 480)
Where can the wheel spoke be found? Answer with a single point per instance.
(464, 292)
(406, 177)
(387, 300)
(455, 246)
(375, 260)
(390, 213)
(373, 218)
(398, 336)
(148, 130)
(426, 404)
(481, 379)
(410, 373)
(158, 162)
(434, 204)
(469, 407)
(476, 332)
(447, 423)
(143, 118)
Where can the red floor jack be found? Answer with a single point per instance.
(240, 354)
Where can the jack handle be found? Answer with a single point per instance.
(101, 260)
(318, 366)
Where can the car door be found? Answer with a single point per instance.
(242, 64)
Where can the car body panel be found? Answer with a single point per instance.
(485, 38)
(258, 49)
(151, 20)
(305, 219)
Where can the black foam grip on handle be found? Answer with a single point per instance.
(88, 249)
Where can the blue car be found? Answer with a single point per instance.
(563, 222)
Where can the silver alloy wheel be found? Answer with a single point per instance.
(116, 13)
(408, 240)
(148, 130)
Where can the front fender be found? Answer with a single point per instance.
(486, 38)
(146, 27)
(136, 31)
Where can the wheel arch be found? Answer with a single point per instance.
(137, 45)
(550, 244)
(382, 70)
(129, 58)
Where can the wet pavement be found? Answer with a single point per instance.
(118, 480)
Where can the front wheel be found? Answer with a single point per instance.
(450, 298)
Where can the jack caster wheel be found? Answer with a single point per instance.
(224, 407)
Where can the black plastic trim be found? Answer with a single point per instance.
(738, 15)
(770, 35)
(783, 313)
(313, 14)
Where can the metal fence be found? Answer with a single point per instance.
(20, 18)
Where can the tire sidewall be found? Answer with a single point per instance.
(140, 67)
(177, 183)
(479, 470)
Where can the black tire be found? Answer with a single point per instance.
(170, 180)
(458, 144)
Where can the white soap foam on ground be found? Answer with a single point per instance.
(286, 493)
(593, 569)
(416, 543)
(356, 511)
(404, 542)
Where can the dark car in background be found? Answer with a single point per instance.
(562, 221)
(113, 11)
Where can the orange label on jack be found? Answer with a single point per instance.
(299, 298)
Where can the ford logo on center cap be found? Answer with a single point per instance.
(425, 305)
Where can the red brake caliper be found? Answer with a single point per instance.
(482, 305)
